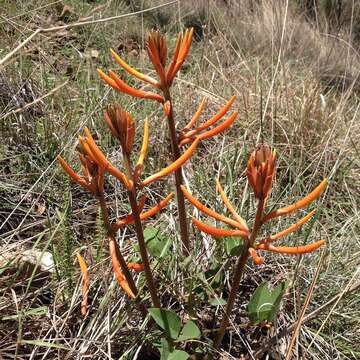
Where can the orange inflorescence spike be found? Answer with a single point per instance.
(117, 270)
(85, 284)
(299, 204)
(134, 92)
(211, 230)
(229, 206)
(261, 171)
(174, 166)
(209, 211)
(289, 230)
(291, 250)
(144, 215)
(134, 72)
(258, 260)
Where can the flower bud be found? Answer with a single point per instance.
(122, 126)
(260, 171)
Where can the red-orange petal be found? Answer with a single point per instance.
(211, 230)
(174, 166)
(291, 250)
(299, 204)
(209, 211)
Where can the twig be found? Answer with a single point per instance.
(76, 24)
(305, 306)
(272, 341)
(26, 106)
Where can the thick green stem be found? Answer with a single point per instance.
(184, 231)
(239, 269)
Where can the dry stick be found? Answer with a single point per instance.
(305, 306)
(26, 106)
(240, 265)
(184, 231)
(81, 23)
(307, 318)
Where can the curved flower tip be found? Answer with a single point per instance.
(292, 250)
(261, 170)
(299, 204)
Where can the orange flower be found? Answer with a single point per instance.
(129, 219)
(261, 170)
(157, 51)
(85, 284)
(187, 135)
(238, 222)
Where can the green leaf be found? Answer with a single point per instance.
(157, 243)
(264, 304)
(165, 349)
(234, 245)
(218, 302)
(189, 331)
(178, 355)
(167, 320)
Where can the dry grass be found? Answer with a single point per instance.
(297, 81)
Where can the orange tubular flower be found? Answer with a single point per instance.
(195, 117)
(117, 270)
(127, 220)
(74, 176)
(144, 148)
(85, 284)
(299, 204)
(103, 162)
(230, 207)
(290, 229)
(211, 212)
(134, 72)
(218, 232)
(187, 135)
(292, 250)
(136, 267)
(258, 260)
(261, 170)
(174, 166)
